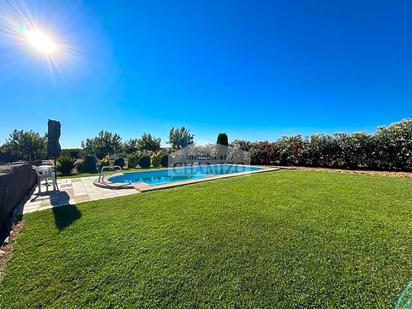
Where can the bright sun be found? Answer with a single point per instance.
(41, 41)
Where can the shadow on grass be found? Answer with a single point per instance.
(66, 215)
(64, 212)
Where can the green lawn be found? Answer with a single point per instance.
(284, 239)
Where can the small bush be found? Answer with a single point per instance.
(119, 162)
(156, 159)
(144, 161)
(79, 165)
(105, 161)
(66, 165)
(164, 161)
(89, 165)
(133, 160)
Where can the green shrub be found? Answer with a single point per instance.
(222, 146)
(119, 162)
(105, 161)
(89, 165)
(144, 161)
(104, 143)
(164, 161)
(265, 153)
(222, 139)
(133, 160)
(394, 146)
(389, 149)
(157, 158)
(66, 165)
(78, 166)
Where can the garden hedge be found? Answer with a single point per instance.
(390, 148)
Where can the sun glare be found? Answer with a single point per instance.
(41, 41)
(48, 38)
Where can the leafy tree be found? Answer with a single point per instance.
(148, 143)
(131, 146)
(180, 138)
(104, 143)
(27, 145)
(145, 143)
(6, 155)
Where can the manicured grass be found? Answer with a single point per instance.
(283, 239)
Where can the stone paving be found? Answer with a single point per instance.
(71, 191)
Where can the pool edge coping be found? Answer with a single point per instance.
(194, 181)
(144, 187)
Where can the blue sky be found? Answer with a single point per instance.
(254, 69)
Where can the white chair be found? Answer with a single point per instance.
(43, 173)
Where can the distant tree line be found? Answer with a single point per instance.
(30, 145)
(111, 143)
(24, 145)
(390, 148)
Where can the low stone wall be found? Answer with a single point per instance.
(16, 180)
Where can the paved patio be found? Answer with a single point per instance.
(71, 191)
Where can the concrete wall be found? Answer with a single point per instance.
(15, 181)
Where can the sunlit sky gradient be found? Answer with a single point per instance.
(254, 69)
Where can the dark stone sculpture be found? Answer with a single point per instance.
(53, 136)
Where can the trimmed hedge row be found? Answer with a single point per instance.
(147, 159)
(390, 148)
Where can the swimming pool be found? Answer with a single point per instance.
(170, 175)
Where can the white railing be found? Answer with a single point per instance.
(108, 167)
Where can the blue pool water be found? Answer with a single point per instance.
(157, 177)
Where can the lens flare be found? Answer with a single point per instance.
(41, 41)
(38, 37)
